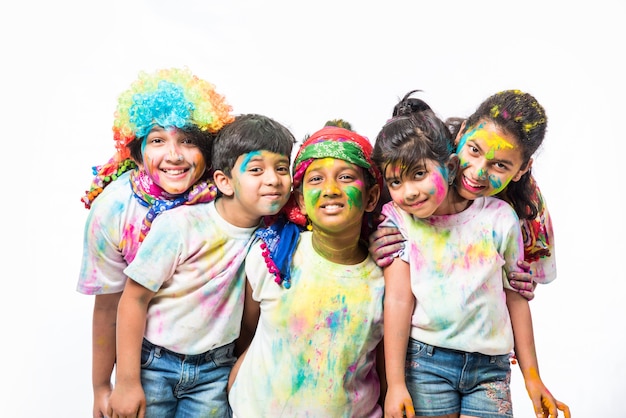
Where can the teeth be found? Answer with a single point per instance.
(332, 206)
(174, 171)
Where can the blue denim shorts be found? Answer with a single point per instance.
(178, 385)
(443, 381)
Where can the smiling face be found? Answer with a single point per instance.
(259, 185)
(420, 190)
(335, 196)
(171, 159)
(490, 159)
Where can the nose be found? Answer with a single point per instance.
(481, 172)
(410, 193)
(331, 188)
(271, 178)
(174, 153)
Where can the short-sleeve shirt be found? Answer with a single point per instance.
(192, 258)
(111, 238)
(457, 277)
(313, 353)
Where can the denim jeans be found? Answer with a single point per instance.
(186, 386)
(443, 381)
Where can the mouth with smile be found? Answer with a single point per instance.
(332, 207)
(174, 171)
(472, 186)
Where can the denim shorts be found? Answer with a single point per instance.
(443, 381)
(178, 385)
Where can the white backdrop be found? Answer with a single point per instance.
(303, 63)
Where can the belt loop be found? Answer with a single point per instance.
(492, 359)
(430, 349)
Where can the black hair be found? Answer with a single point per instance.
(409, 105)
(408, 140)
(248, 133)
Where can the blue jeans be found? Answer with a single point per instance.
(186, 386)
(443, 381)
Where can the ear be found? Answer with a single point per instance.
(459, 134)
(523, 171)
(453, 167)
(373, 194)
(223, 183)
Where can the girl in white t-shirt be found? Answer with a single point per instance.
(451, 319)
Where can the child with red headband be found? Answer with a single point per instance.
(315, 293)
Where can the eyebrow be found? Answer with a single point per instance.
(500, 160)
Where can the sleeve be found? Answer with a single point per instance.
(539, 251)
(257, 271)
(394, 218)
(102, 265)
(159, 253)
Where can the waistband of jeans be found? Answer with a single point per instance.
(206, 356)
(433, 348)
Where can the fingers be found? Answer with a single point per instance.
(562, 407)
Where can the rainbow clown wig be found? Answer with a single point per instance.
(168, 98)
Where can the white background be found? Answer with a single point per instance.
(65, 62)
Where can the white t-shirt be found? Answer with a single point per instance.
(192, 258)
(457, 277)
(111, 238)
(313, 353)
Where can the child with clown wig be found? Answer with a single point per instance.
(163, 128)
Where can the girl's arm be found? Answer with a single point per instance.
(544, 403)
(128, 398)
(398, 308)
(103, 350)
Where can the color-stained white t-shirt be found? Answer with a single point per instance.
(192, 258)
(313, 353)
(111, 238)
(457, 265)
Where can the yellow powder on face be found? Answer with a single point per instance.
(493, 141)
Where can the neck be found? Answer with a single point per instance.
(454, 203)
(340, 250)
(231, 212)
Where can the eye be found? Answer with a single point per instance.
(419, 174)
(283, 169)
(346, 178)
(393, 183)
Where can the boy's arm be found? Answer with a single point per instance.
(103, 350)
(128, 398)
(249, 322)
(398, 309)
(250, 319)
(543, 402)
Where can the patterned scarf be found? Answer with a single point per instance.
(280, 238)
(158, 200)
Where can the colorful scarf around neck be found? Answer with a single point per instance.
(158, 200)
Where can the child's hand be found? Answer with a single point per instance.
(523, 281)
(127, 401)
(545, 405)
(398, 404)
(384, 243)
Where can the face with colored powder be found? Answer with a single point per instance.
(260, 183)
(334, 196)
(419, 190)
(489, 160)
(172, 159)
